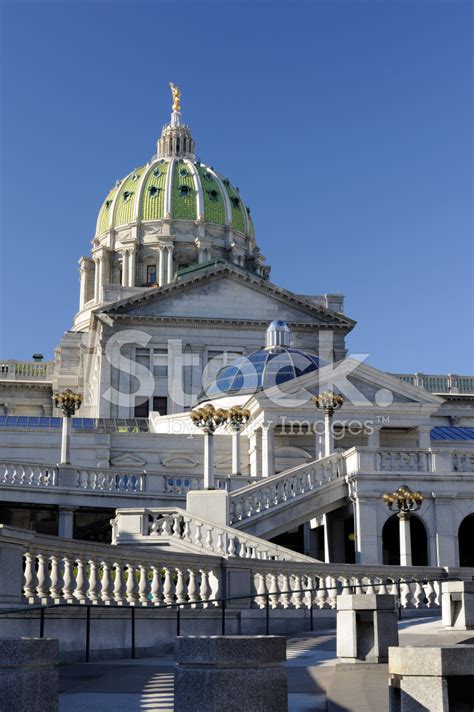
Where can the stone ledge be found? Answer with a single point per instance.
(433, 661)
(231, 650)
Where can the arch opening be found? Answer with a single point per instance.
(391, 541)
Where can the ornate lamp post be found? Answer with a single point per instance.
(68, 402)
(403, 501)
(208, 419)
(328, 402)
(236, 417)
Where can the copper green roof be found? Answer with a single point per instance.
(180, 188)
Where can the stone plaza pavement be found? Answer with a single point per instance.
(316, 682)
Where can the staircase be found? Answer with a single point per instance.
(272, 506)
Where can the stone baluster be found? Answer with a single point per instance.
(155, 586)
(274, 596)
(345, 584)
(231, 549)
(220, 543)
(192, 587)
(383, 586)
(260, 598)
(130, 587)
(285, 596)
(55, 577)
(208, 542)
(92, 588)
(297, 598)
(198, 534)
(322, 593)
(177, 526)
(430, 594)
(418, 596)
(332, 591)
(204, 589)
(105, 582)
(143, 585)
(406, 595)
(68, 592)
(29, 585)
(118, 584)
(180, 587)
(42, 579)
(168, 587)
(79, 592)
(187, 530)
(370, 585)
(166, 527)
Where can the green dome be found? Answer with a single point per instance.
(177, 189)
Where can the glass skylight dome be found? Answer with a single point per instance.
(271, 366)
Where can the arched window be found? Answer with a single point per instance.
(391, 541)
(466, 541)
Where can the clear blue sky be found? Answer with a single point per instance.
(347, 127)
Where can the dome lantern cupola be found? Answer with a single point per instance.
(176, 140)
(278, 334)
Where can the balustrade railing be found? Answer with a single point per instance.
(177, 526)
(62, 571)
(28, 475)
(110, 481)
(402, 461)
(284, 487)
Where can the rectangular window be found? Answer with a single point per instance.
(142, 409)
(160, 363)
(160, 404)
(151, 274)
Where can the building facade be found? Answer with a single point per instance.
(175, 303)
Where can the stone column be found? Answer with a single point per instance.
(125, 268)
(373, 438)
(319, 449)
(268, 450)
(405, 541)
(162, 268)
(367, 532)
(66, 522)
(131, 267)
(208, 460)
(327, 554)
(236, 450)
(66, 442)
(96, 278)
(82, 292)
(170, 269)
(328, 436)
(254, 452)
(424, 437)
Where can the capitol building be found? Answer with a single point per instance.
(210, 397)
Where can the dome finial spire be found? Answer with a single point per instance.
(176, 113)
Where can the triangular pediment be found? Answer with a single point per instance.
(127, 459)
(225, 293)
(361, 385)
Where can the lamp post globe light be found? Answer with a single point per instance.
(328, 402)
(236, 418)
(68, 402)
(403, 502)
(208, 419)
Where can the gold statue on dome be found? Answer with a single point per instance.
(176, 97)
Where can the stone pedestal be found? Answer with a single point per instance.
(457, 601)
(438, 679)
(231, 673)
(29, 674)
(212, 505)
(367, 624)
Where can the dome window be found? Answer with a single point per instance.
(183, 172)
(108, 203)
(184, 190)
(126, 195)
(213, 195)
(235, 202)
(153, 190)
(207, 176)
(157, 173)
(226, 182)
(135, 176)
